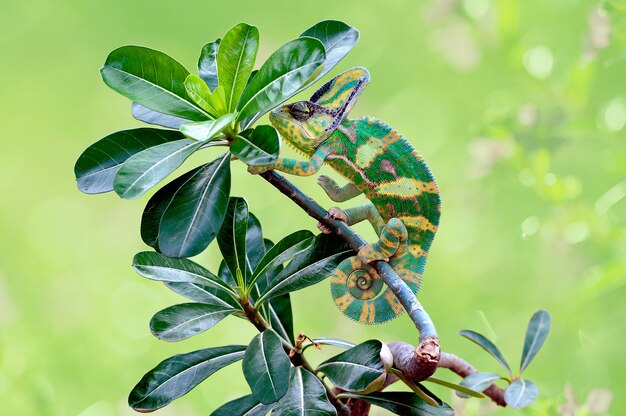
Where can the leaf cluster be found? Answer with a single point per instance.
(519, 392)
(219, 108)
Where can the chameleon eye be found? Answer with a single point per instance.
(300, 111)
(300, 106)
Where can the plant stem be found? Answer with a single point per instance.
(297, 358)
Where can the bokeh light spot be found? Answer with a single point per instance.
(530, 226)
(476, 8)
(612, 118)
(576, 232)
(538, 62)
(549, 179)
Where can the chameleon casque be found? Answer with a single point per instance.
(404, 205)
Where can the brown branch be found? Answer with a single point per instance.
(428, 350)
(417, 365)
(463, 368)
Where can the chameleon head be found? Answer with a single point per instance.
(306, 124)
(303, 124)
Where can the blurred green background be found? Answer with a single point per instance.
(519, 107)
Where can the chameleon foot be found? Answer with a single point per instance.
(323, 228)
(255, 170)
(334, 213)
(392, 241)
(337, 214)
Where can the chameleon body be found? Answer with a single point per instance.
(404, 205)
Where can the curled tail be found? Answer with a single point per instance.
(359, 292)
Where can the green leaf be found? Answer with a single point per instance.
(266, 367)
(306, 396)
(243, 406)
(359, 369)
(235, 60)
(520, 393)
(196, 211)
(205, 130)
(403, 403)
(460, 390)
(203, 294)
(257, 147)
(487, 345)
(338, 39)
(200, 93)
(99, 163)
(281, 317)
(145, 169)
(231, 237)
(536, 334)
(179, 374)
(146, 115)
(218, 100)
(255, 244)
(155, 208)
(309, 267)
(287, 248)
(284, 73)
(207, 63)
(156, 266)
(330, 341)
(225, 275)
(152, 79)
(478, 382)
(179, 322)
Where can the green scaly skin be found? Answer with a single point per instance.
(404, 205)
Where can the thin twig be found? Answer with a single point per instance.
(463, 368)
(297, 359)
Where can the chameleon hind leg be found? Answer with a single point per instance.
(354, 215)
(393, 235)
(361, 295)
(392, 243)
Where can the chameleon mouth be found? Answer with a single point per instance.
(280, 119)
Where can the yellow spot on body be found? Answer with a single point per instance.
(427, 225)
(406, 188)
(420, 222)
(367, 153)
(417, 251)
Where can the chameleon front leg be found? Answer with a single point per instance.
(293, 166)
(336, 192)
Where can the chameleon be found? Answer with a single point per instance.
(403, 205)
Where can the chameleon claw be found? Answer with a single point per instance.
(323, 228)
(324, 181)
(255, 170)
(337, 214)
